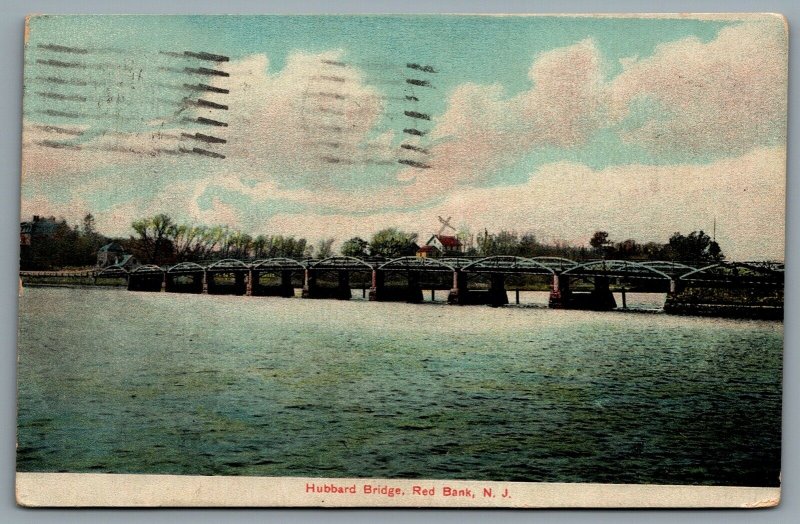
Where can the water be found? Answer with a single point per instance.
(122, 382)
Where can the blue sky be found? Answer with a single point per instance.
(317, 107)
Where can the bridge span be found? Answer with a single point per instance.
(572, 284)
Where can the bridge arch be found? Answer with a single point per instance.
(281, 267)
(456, 262)
(766, 272)
(228, 264)
(616, 268)
(186, 267)
(667, 266)
(343, 266)
(112, 271)
(185, 277)
(278, 264)
(415, 263)
(146, 278)
(342, 263)
(555, 263)
(147, 269)
(507, 263)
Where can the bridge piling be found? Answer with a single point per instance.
(560, 293)
(414, 291)
(376, 290)
(309, 283)
(497, 290)
(458, 293)
(343, 289)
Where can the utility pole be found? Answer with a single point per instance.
(714, 231)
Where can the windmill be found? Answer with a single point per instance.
(445, 225)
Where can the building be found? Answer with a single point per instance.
(428, 251)
(446, 245)
(110, 254)
(36, 228)
(128, 262)
(31, 235)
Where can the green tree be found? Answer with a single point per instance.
(355, 247)
(393, 243)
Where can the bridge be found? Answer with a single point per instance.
(572, 284)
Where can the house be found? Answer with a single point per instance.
(38, 227)
(110, 254)
(428, 251)
(128, 263)
(32, 235)
(445, 244)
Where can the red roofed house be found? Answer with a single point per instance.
(428, 251)
(445, 244)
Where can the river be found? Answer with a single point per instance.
(125, 382)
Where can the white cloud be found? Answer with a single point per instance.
(723, 97)
(484, 129)
(567, 201)
(300, 119)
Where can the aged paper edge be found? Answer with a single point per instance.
(114, 490)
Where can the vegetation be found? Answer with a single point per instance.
(160, 240)
(695, 247)
(393, 243)
(355, 247)
(56, 244)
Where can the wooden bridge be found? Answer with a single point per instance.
(572, 284)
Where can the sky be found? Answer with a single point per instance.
(338, 126)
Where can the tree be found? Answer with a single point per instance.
(393, 243)
(528, 245)
(89, 225)
(325, 247)
(355, 247)
(153, 239)
(715, 252)
(697, 246)
(627, 249)
(599, 242)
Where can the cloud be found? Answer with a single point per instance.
(568, 201)
(722, 97)
(310, 116)
(483, 128)
(689, 100)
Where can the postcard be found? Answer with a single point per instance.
(381, 260)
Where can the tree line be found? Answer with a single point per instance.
(161, 240)
(697, 246)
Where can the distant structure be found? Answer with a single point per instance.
(110, 254)
(443, 245)
(428, 251)
(30, 234)
(38, 227)
(113, 255)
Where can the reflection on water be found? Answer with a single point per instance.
(114, 381)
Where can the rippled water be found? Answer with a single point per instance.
(115, 381)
